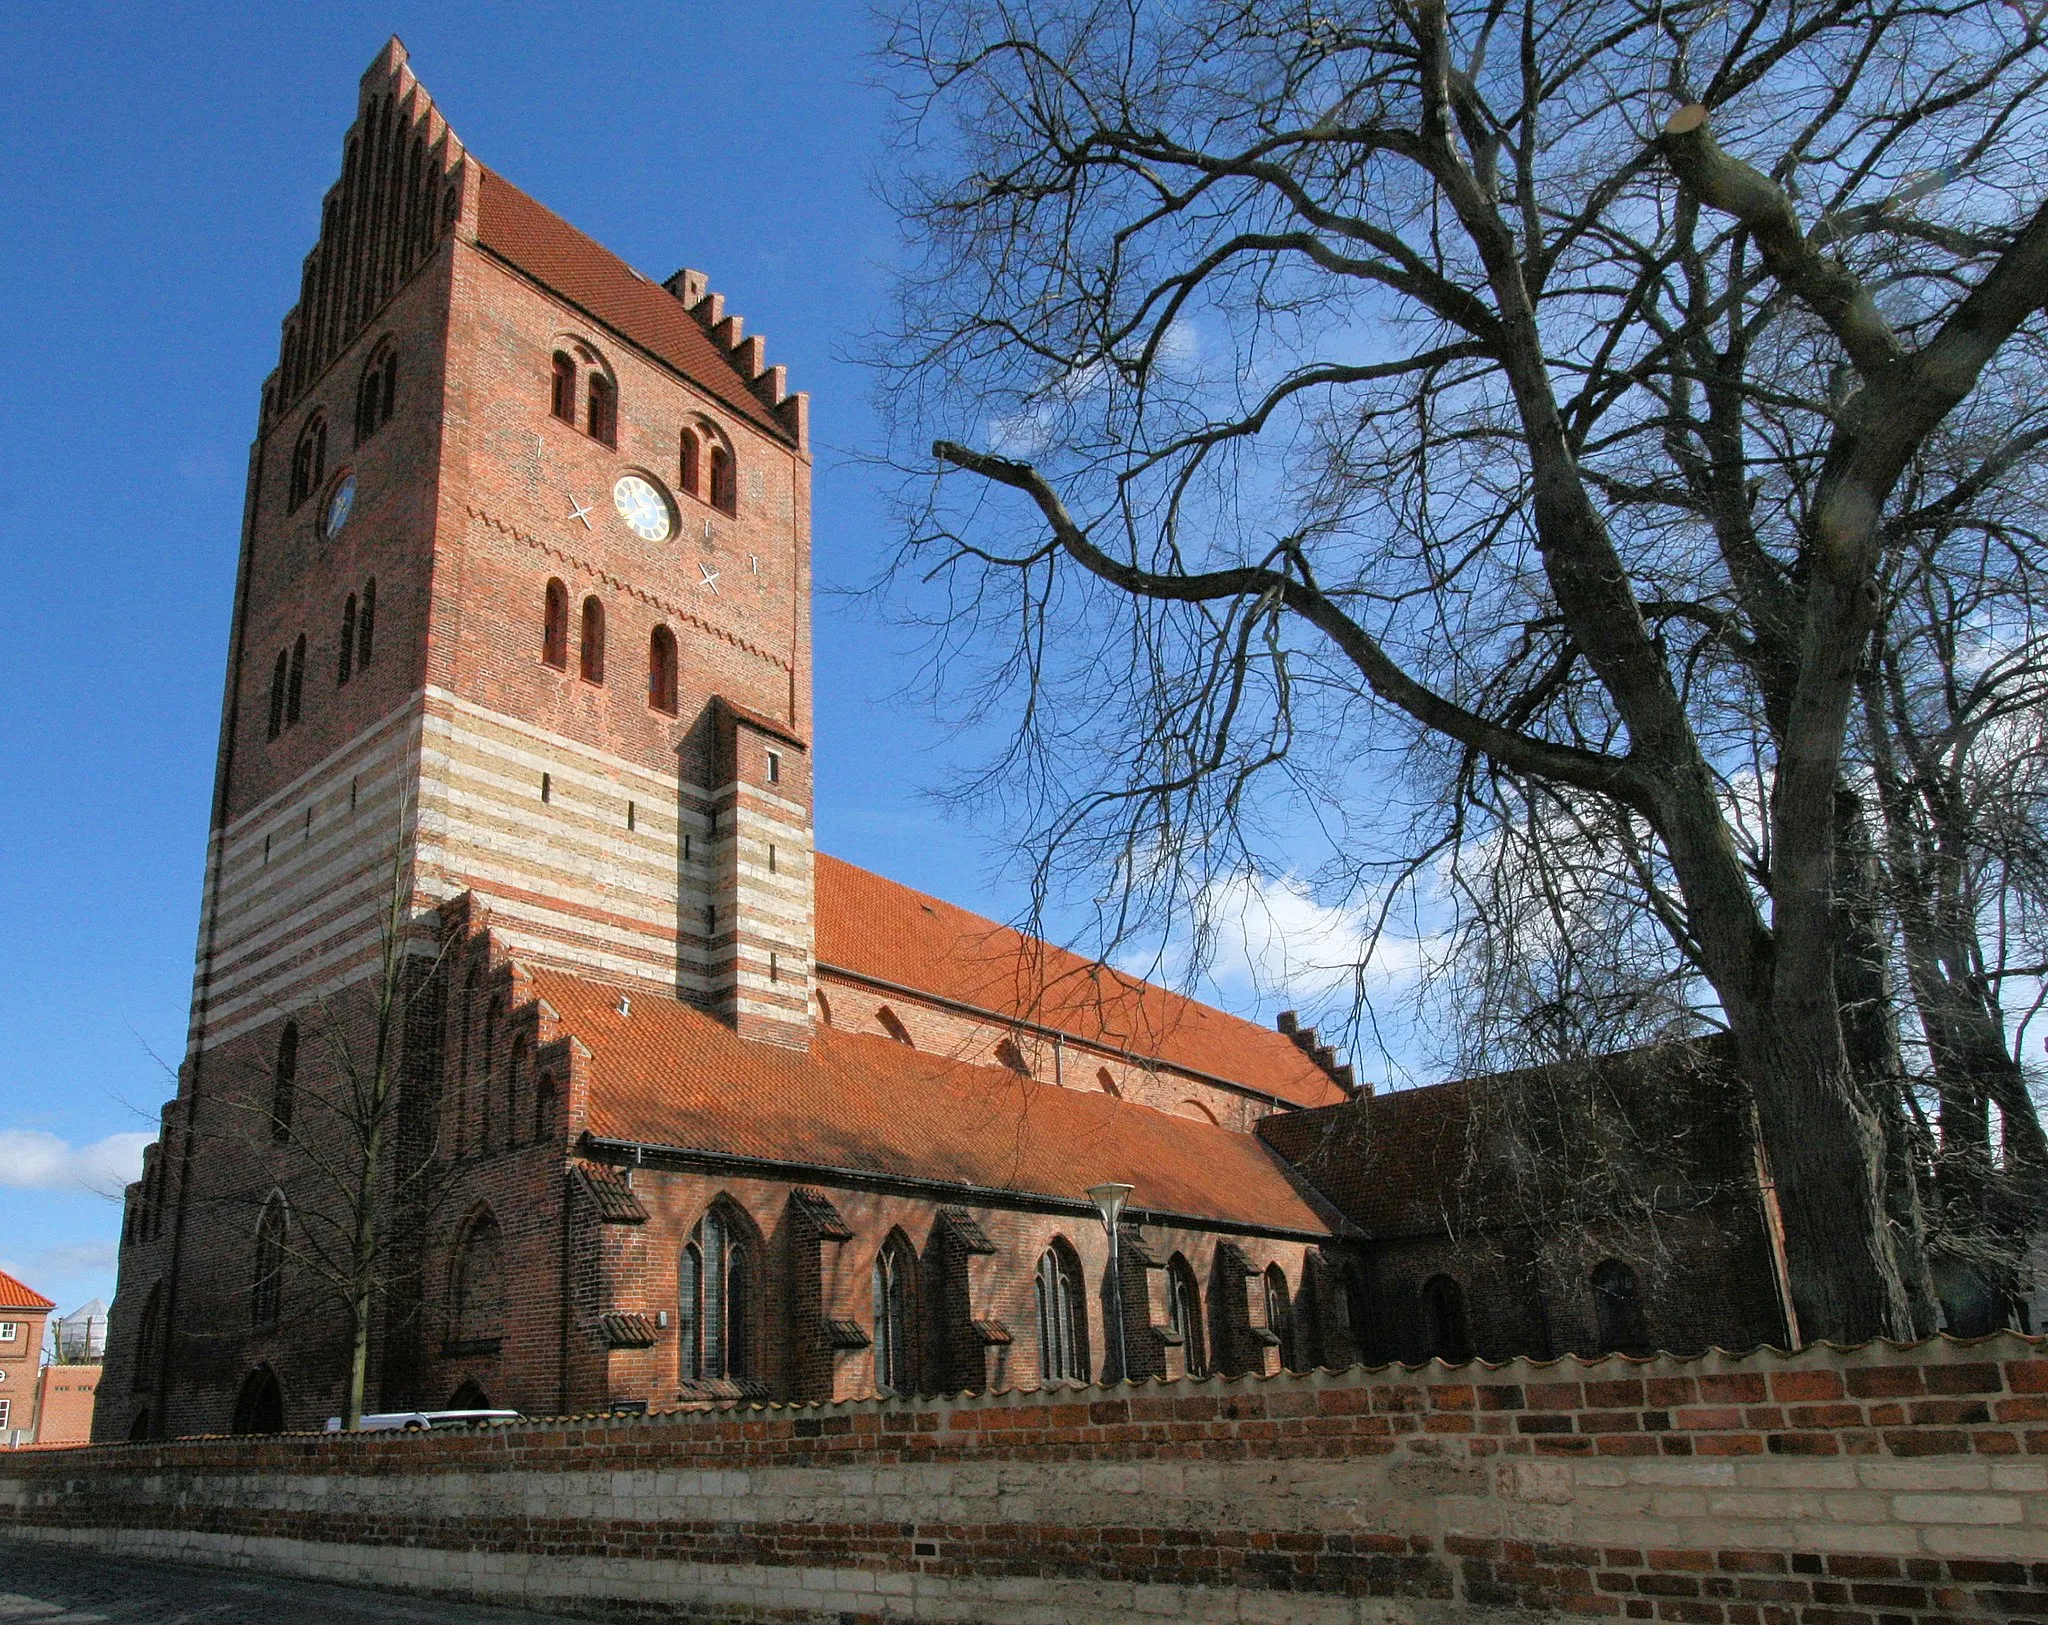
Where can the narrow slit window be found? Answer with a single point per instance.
(366, 625)
(630, 816)
(295, 684)
(346, 666)
(547, 787)
(688, 464)
(661, 670)
(593, 641)
(563, 400)
(775, 767)
(724, 493)
(554, 632)
(603, 417)
(280, 677)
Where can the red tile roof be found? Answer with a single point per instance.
(670, 1074)
(13, 1295)
(887, 931)
(594, 279)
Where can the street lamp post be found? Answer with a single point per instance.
(1109, 1202)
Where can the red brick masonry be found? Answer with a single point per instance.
(1877, 1485)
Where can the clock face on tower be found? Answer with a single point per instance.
(339, 506)
(644, 509)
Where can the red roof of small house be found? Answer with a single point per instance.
(595, 280)
(13, 1295)
(880, 929)
(669, 1074)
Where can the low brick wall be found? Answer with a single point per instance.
(1881, 1485)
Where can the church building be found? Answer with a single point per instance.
(518, 966)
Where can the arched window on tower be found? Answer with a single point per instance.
(1062, 1326)
(602, 420)
(1446, 1329)
(1618, 1308)
(366, 625)
(347, 661)
(309, 463)
(295, 684)
(724, 493)
(377, 393)
(562, 402)
(1184, 1314)
(714, 1300)
(554, 626)
(593, 641)
(280, 679)
(894, 1286)
(266, 1283)
(661, 670)
(284, 1082)
(690, 464)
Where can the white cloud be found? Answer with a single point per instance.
(34, 1159)
(1270, 933)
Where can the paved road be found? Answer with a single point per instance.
(46, 1585)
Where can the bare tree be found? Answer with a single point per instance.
(1431, 379)
(361, 1177)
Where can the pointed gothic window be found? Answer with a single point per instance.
(266, 1287)
(714, 1320)
(1280, 1318)
(894, 1285)
(493, 1014)
(348, 643)
(1618, 1305)
(309, 463)
(563, 400)
(892, 1024)
(593, 641)
(1062, 1325)
(1446, 1330)
(476, 1289)
(554, 626)
(688, 471)
(1184, 1313)
(544, 1108)
(724, 492)
(661, 670)
(296, 683)
(603, 418)
(284, 1082)
(366, 625)
(280, 678)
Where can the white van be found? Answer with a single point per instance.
(421, 1421)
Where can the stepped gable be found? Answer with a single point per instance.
(670, 1074)
(397, 198)
(13, 1295)
(877, 928)
(536, 240)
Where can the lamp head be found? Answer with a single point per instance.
(1109, 1202)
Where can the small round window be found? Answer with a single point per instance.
(340, 504)
(643, 507)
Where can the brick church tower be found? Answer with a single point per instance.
(525, 583)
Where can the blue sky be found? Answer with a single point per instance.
(161, 170)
